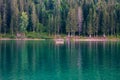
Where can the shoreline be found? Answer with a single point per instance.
(73, 39)
(25, 39)
(94, 39)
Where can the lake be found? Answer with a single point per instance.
(44, 60)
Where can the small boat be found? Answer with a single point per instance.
(59, 41)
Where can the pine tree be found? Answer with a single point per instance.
(34, 16)
(90, 23)
(4, 22)
(14, 16)
(23, 22)
(0, 23)
(80, 19)
(85, 17)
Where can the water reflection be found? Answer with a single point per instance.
(43, 60)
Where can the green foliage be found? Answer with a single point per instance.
(40, 28)
(90, 21)
(72, 21)
(95, 17)
(0, 23)
(32, 35)
(8, 36)
(23, 22)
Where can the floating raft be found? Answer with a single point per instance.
(59, 41)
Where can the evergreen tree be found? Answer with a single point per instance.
(23, 22)
(85, 17)
(0, 23)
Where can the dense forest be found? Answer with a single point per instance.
(76, 17)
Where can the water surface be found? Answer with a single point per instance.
(44, 60)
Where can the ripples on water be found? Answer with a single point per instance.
(44, 60)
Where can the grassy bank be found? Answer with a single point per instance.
(30, 35)
(33, 35)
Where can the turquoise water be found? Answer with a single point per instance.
(44, 60)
